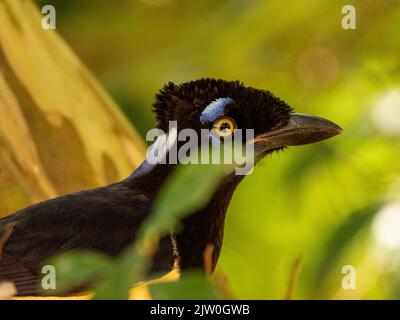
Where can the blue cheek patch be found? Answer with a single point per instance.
(215, 110)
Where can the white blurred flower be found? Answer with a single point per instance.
(386, 113)
(386, 226)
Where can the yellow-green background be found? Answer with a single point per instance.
(300, 202)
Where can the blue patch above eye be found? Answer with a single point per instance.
(215, 110)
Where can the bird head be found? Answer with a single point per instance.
(225, 106)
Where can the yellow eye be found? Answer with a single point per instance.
(224, 126)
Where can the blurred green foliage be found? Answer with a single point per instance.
(112, 278)
(313, 201)
(191, 286)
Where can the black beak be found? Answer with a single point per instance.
(301, 129)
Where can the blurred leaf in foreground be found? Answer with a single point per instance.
(107, 277)
(191, 286)
(75, 269)
(342, 237)
(188, 189)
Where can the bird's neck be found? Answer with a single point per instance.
(200, 229)
(205, 228)
(149, 178)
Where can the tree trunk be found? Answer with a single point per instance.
(59, 131)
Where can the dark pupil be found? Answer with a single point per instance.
(225, 126)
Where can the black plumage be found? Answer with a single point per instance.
(106, 219)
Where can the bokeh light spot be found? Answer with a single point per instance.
(386, 113)
(386, 226)
(317, 67)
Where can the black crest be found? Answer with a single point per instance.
(257, 109)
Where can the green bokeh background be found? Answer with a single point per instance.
(321, 202)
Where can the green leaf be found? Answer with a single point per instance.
(188, 189)
(116, 286)
(343, 236)
(191, 286)
(124, 272)
(75, 269)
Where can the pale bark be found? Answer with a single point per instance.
(59, 131)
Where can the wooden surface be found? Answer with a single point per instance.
(59, 131)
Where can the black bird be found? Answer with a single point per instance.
(106, 219)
